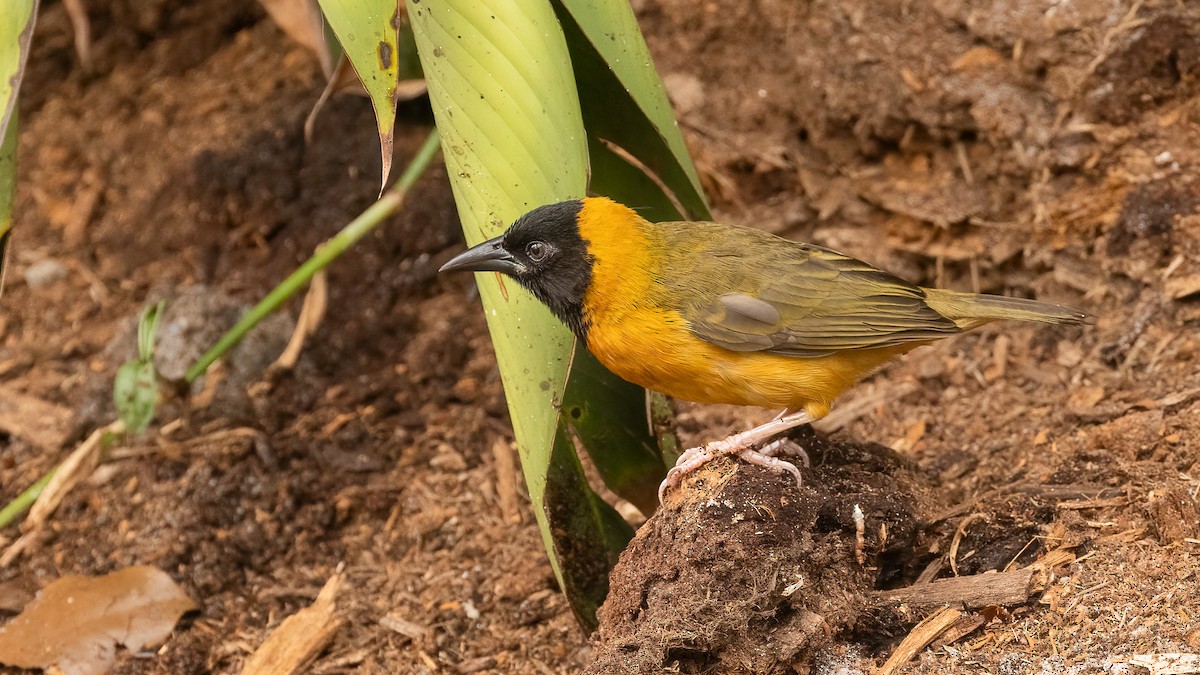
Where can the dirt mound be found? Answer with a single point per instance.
(743, 572)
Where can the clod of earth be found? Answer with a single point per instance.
(740, 572)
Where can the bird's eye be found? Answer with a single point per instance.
(537, 251)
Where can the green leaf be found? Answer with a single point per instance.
(148, 328)
(135, 390)
(625, 105)
(367, 31)
(17, 18)
(504, 98)
(135, 394)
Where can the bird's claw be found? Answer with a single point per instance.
(694, 458)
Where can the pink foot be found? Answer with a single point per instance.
(741, 445)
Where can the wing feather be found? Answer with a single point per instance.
(809, 302)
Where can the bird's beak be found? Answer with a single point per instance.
(490, 256)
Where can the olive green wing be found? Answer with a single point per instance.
(809, 302)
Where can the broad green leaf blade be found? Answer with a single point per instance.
(622, 96)
(504, 98)
(367, 31)
(614, 176)
(17, 18)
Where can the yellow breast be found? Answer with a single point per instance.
(656, 351)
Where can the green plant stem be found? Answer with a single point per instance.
(387, 205)
(23, 501)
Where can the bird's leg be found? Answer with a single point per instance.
(745, 445)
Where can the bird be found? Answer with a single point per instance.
(719, 313)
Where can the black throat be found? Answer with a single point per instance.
(562, 282)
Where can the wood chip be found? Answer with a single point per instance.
(1056, 558)
(1182, 287)
(399, 624)
(1178, 398)
(1080, 504)
(83, 209)
(999, 364)
(960, 629)
(958, 535)
(977, 57)
(44, 424)
(931, 571)
(1085, 398)
(1035, 490)
(477, 665)
(911, 80)
(506, 481)
(298, 641)
(924, 633)
(970, 592)
(911, 437)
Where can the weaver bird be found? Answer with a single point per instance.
(717, 313)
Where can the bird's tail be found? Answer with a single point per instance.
(970, 310)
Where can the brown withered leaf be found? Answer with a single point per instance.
(76, 623)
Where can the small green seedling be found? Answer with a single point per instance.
(135, 391)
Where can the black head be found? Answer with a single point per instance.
(545, 253)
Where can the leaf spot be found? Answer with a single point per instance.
(385, 55)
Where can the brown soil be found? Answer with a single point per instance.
(1034, 148)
